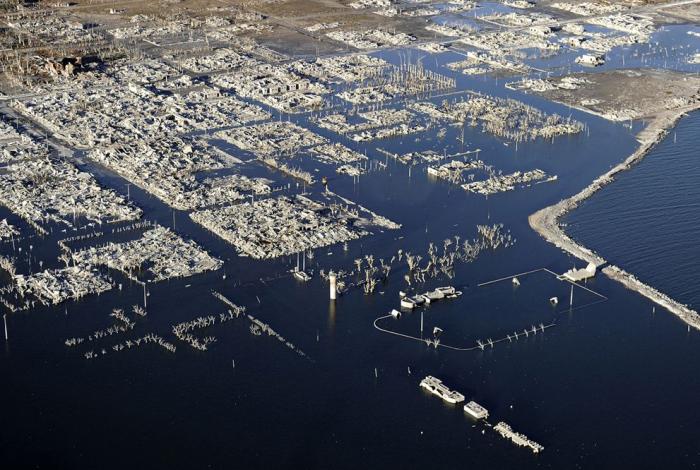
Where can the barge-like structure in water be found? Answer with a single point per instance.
(436, 387)
(476, 411)
(518, 439)
(439, 293)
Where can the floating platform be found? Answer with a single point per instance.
(518, 439)
(439, 293)
(436, 387)
(475, 410)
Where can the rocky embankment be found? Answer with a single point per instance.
(546, 221)
(685, 313)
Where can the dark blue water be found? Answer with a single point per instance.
(610, 386)
(648, 221)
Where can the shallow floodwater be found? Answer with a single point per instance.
(648, 221)
(608, 378)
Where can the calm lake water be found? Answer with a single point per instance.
(612, 385)
(649, 220)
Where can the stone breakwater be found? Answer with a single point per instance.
(546, 221)
(685, 313)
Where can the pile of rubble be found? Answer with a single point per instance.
(207, 109)
(220, 59)
(507, 41)
(285, 225)
(7, 230)
(336, 153)
(226, 189)
(383, 123)
(627, 30)
(524, 4)
(7, 132)
(232, 33)
(56, 29)
(270, 138)
(478, 63)
(589, 8)
(361, 4)
(452, 31)
(626, 23)
(410, 12)
(322, 26)
(57, 285)
(540, 85)
(89, 117)
(371, 39)
(159, 251)
(164, 167)
(346, 68)
(502, 183)
(453, 171)
(16, 149)
(155, 29)
(275, 85)
(46, 190)
(143, 72)
(517, 19)
(501, 117)
(282, 167)
(402, 81)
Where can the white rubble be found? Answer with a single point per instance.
(7, 230)
(159, 251)
(275, 137)
(281, 226)
(54, 286)
(46, 190)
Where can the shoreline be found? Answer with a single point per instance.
(546, 221)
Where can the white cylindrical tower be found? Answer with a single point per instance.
(332, 278)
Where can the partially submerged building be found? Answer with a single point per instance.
(578, 275)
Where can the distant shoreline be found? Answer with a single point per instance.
(546, 221)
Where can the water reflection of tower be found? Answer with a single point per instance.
(331, 317)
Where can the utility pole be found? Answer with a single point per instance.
(144, 294)
(571, 297)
